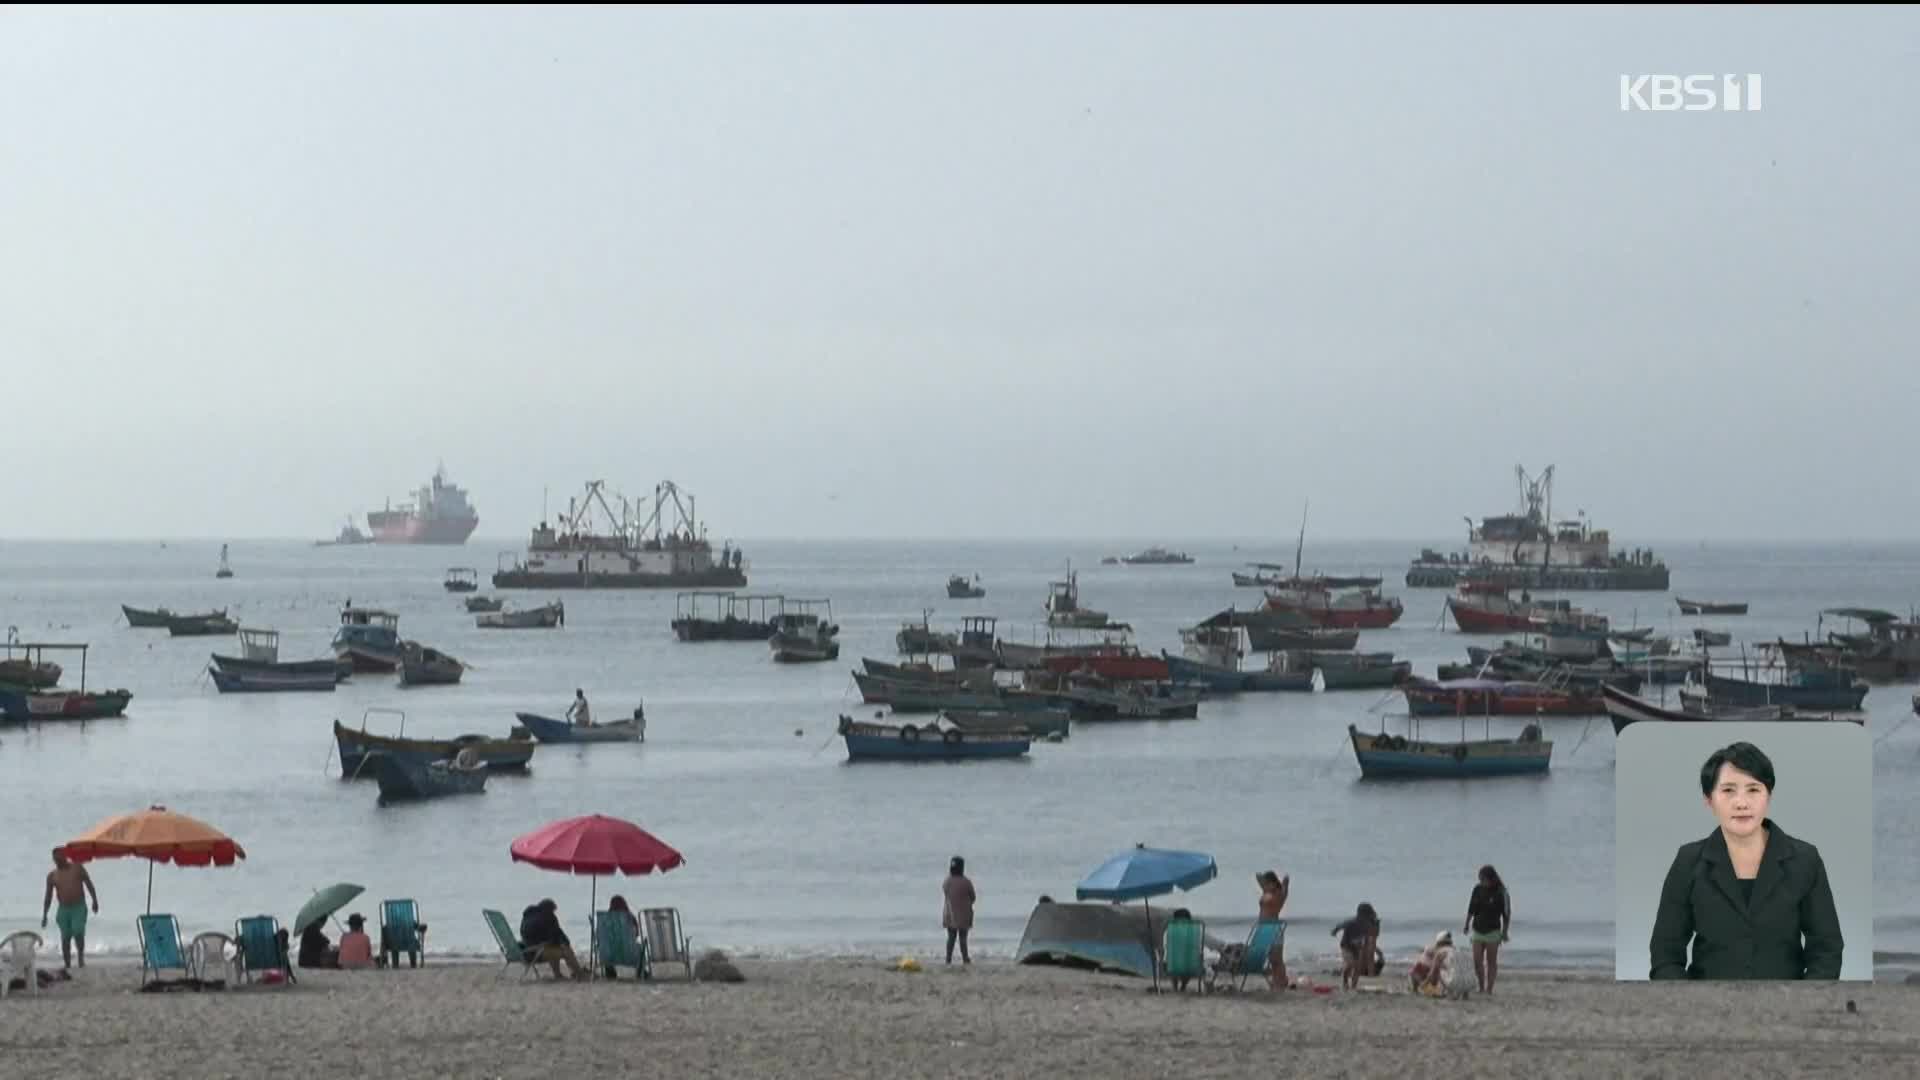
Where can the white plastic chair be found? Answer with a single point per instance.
(19, 955)
(214, 953)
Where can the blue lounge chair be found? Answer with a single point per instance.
(1184, 952)
(260, 949)
(617, 944)
(400, 933)
(511, 950)
(160, 947)
(1257, 952)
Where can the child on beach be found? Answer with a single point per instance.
(1358, 937)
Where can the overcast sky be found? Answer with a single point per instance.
(989, 273)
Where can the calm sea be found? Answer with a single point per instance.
(792, 851)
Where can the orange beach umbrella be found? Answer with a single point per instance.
(155, 834)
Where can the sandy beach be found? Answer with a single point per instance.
(857, 1017)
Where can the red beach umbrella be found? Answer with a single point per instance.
(596, 845)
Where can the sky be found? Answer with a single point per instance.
(961, 273)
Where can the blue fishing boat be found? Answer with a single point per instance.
(909, 742)
(267, 682)
(1829, 690)
(1386, 755)
(404, 776)
(369, 639)
(547, 729)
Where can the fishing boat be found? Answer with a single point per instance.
(1494, 697)
(477, 604)
(421, 666)
(933, 742)
(75, 704)
(1354, 671)
(260, 654)
(1114, 659)
(979, 678)
(1222, 678)
(1393, 756)
(1832, 690)
(201, 626)
(275, 679)
(1706, 607)
(1063, 606)
(548, 730)
(405, 776)
(500, 755)
(1626, 709)
(1269, 639)
(1353, 609)
(1531, 549)
(802, 635)
(156, 619)
(1488, 607)
(461, 579)
(1047, 723)
(541, 618)
(630, 549)
(921, 639)
(28, 690)
(369, 639)
(225, 571)
(725, 616)
(959, 588)
(1289, 576)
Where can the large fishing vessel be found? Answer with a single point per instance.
(438, 514)
(666, 548)
(1529, 549)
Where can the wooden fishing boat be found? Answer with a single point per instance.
(500, 755)
(910, 742)
(270, 681)
(201, 626)
(77, 704)
(926, 673)
(704, 615)
(803, 636)
(549, 730)
(1706, 607)
(477, 604)
(1395, 756)
(540, 618)
(1834, 690)
(1492, 697)
(1269, 639)
(157, 619)
(921, 639)
(336, 666)
(421, 666)
(462, 579)
(1224, 679)
(404, 776)
(1354, 671)
(1626, 709)
(369, 639)
(1046, 723)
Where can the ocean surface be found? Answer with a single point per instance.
(790, 849)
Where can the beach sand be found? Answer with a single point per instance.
(858, 1017)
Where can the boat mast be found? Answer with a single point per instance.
(1302, 545)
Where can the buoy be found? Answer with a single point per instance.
(796, 733)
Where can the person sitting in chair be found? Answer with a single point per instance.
(545, 941)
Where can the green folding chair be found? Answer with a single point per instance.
(617, 944)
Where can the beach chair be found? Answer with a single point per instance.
(208, 958)
(160, 948)
(20, 957)
(510, 948)
(400, 933)
(666, 942)
(1184, 952)
(260, 947)
(1253, 957)
(617, 944)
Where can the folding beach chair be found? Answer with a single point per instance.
(511, 950)
(400, 933)
(617, 944)
(1255, 956)
(1184, 953)
(160, 948)
(665, 941)
(260, 948)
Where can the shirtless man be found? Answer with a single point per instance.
(69, 881)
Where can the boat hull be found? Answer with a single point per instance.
(268, 682)
(147, 620)
(1383, 757)
(1478, 620)
(400, 527)
(1133, 668)
(1228, 681)
(22, 706)
(722, 630)
(1039, 723)
(500, 755)
(1835, 697)
(548, 730)
(337, 667)
(369, 659)
(879, 742)
(404, 776)
(1444, 575)
(1702, 607)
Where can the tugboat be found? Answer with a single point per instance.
(349, 536)
(665, 549)
(1528, 549)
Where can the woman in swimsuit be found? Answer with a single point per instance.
(1273, 897)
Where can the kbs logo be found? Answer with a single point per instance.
(1689, 93)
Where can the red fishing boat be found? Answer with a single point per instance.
(1353, 609)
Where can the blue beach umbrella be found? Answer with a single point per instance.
(1147, 872)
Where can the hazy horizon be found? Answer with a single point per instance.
(848, 272)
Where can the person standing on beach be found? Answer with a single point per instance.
(1489, 918)
(1273, 897)
(69, 881)
(1358, 938)
(958, 916)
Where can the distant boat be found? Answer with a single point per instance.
(548, 730)
(357, 748)
(540, 618)
(910, 742)
(476, 604)
(349, 536)
(201, 626)
(462, 579)
(421, 666)
(1704, 607)
(1395, 756)
(157, 619)
(255, 681)
(403, 776)
(225, 571)
(959, 588)
(1157, 556)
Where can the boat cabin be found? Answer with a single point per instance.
(260, 645)
(353, 616)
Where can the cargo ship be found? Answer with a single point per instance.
(438, 514)
(1530, 550)
(667, 548)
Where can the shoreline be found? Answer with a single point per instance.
(859, 1017)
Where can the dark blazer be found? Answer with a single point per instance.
(1701, 904)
